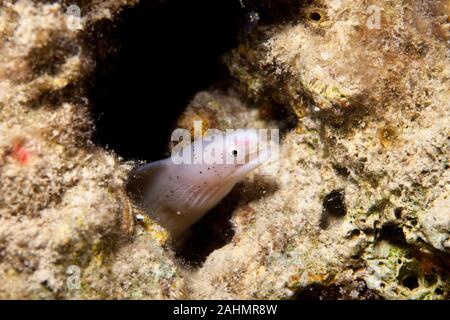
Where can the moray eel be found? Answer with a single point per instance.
(177, 194)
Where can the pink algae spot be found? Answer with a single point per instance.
(20, 153)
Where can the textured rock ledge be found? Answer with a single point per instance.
(61, 197)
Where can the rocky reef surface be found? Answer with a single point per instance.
(357, 206)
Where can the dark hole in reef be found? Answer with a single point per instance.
(315, 16)
(392, 233)
(334, 203)
(355, 233)
(212, 232)
(156, 56)
(317, 291)
(398, 212)
(282, 114)
(439, 291)
(333, 207)
(411, 282)
(342, 171)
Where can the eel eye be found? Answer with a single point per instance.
(234, 153)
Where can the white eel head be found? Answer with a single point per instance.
(178, 193)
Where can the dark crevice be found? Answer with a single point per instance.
(316, 16)
(398, 212)
(349, 291)
(334, 207)
(341, 171)
(411, 282)
(149, 64)
(393, 234)
(285, 119)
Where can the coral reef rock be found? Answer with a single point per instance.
(61, 197)
(357, 207)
